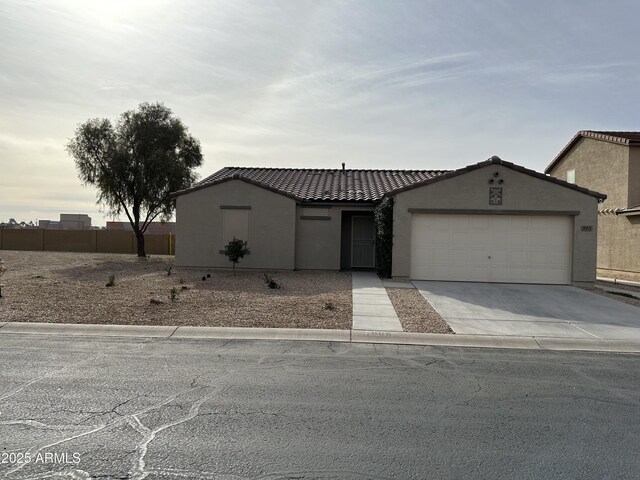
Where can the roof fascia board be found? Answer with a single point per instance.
(228, 179)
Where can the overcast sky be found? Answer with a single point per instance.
(429, 84)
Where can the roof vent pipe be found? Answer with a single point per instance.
(343, 166)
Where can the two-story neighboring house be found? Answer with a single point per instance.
(608, 162)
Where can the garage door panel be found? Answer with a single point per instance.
(478, 256)
(518, 239)
(494, 248)
(461, 256)
(499, 257)
(423, 256)
(436, 238)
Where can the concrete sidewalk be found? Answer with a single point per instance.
(347, 336)
(372, 308)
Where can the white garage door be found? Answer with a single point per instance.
(491, 248)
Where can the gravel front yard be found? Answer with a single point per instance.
(415, 312)
(70, 288)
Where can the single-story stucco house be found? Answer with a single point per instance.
(493, 222)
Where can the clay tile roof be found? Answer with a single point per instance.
(622, 138)
(322, 185)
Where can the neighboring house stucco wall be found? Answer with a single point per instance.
(271, 226)
(615, 171)
(618, 245)
(520, 192)
(600, 166)
(318, 235)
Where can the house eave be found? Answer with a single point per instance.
(498, 161)
(603, 137)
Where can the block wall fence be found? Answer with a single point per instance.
(97, 241)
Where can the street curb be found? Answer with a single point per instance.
(444, 340)
(320, 335)
(78, 329)
(235, 333)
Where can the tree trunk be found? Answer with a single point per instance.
(140, 239)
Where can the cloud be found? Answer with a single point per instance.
(418, 84)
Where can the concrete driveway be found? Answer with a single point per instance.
(531, 310)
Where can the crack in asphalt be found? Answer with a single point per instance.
(47, 375)
(29, 422)
(138, 471)
(75, 474)
(122, 419)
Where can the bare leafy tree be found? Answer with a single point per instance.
(136, 163)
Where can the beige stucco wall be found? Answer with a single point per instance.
(614, 170)
(600, 166)
(619, 243)
(520, 192)
(271, 226)
(318, 242)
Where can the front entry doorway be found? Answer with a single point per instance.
(363, 240)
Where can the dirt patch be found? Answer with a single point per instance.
(415, 313)
(71, 288)
(606, 289)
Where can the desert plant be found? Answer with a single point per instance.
(329, 305)
(112, 281)
(181, 280)
(270, 281)
(168, 270)
(174, 294)
(235, 250)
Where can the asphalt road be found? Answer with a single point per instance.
(134, 408)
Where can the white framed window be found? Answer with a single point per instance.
(571, 175)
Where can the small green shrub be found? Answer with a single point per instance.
(270, 281)
(112, 281)
(235, 250)
(329, 305)
(174, 294)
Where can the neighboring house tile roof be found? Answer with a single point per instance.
(621, 138)
(308, 185)
(312, 185)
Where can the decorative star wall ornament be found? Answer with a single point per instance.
(495, 195)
